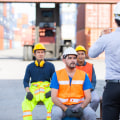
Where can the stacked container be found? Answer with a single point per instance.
(7, 24)
(6, 21)
(1, 27)
(91, 20)
(22, 31)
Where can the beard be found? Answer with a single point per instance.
(72, 65)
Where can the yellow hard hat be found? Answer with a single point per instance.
(39, 46)
(80, 48)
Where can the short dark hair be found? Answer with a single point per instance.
(64, 56)
(117, 22)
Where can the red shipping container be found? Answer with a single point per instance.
(91, 20)
(81, 17)
(81, 37)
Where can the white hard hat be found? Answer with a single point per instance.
(117, 11)
(69, 51)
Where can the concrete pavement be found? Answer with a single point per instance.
(12, 69)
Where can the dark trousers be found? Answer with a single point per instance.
(111, 102)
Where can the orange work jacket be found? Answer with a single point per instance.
(87, 68)
(70, 94)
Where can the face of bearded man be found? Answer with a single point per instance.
(71, 61)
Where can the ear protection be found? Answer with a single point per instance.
(41, 63)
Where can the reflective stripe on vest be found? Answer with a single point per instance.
(70, 94)
(77, 82)
(71, 100)
(64, 82)
(88, 68)
(40, 90)
(76, 100)
(27, 113)
(48, 114)
(73, 82)
(35, 85)
(63, 100)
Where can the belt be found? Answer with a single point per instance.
(113, 81)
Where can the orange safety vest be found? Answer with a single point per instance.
(73, 94)
(87, 68)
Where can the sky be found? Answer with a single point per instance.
(28, 8)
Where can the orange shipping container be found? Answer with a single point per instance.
(17, 35)
(24, 19)
(12, 10)
(27, 36)
(19, 23)
(1, 44)
(10, 41)
(1, 32)
(96, 15)
(1, 37)
(5, 9)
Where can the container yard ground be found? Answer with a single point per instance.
(12, 68)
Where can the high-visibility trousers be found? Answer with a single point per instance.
(38, 89)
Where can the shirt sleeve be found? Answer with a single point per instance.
(87, 84)
(26, 78)
(98, 47)
(93, 82)
(54, 82)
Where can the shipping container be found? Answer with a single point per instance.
(19, 23)
(1, 43)
(24, 18)
(27, 36)
(7, 25)
(5, 9)
(12, 10)
(1, 37)
(17, 35)
(1, 9)
(6, 44)
(10, 42)
(91, 20)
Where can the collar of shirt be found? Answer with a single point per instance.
(83, 64)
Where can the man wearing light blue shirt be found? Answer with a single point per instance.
(110, 43)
